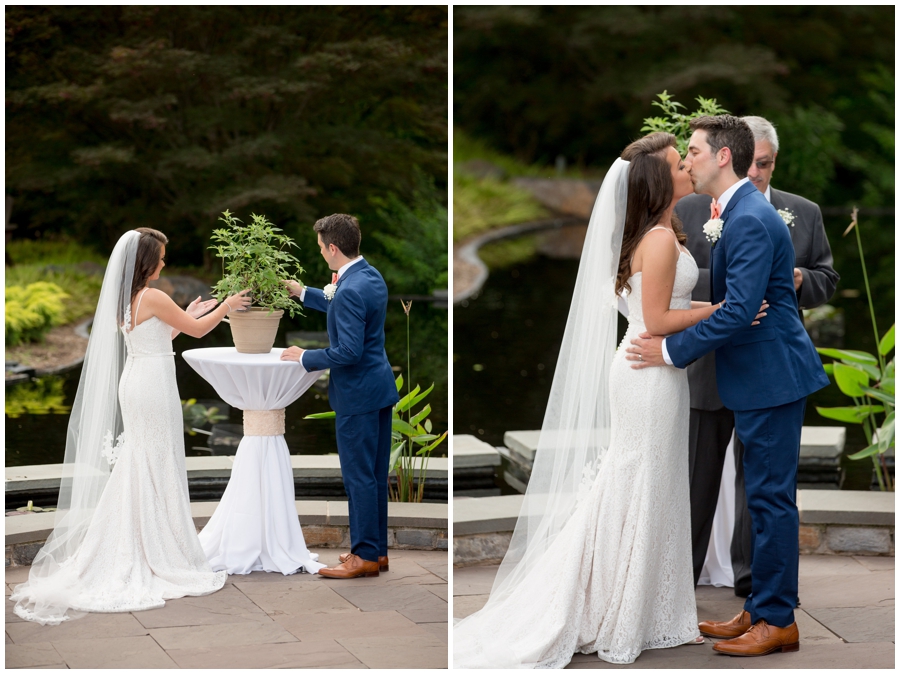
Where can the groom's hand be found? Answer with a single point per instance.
(645, 351)
(292, 353)
(294, 287)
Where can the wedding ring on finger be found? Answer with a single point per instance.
(641, 357)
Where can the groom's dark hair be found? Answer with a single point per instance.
(342, 230)
(731, 132)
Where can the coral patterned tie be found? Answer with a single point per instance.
(714, 210)
(334, 278)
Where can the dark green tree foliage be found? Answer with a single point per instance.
(413, 234)
(119, 117)
(538, 82)
(577, 81)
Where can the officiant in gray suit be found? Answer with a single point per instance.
(711, 424)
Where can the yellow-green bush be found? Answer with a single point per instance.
(32, 310)
(61, 261)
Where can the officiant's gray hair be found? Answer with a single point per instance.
(762, 129)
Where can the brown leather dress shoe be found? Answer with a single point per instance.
(354, 567)
(726, 629)
(762, 639)
(382, 561)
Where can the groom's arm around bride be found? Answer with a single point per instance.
(361, 387)
(764, 372)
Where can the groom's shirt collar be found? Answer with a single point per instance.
(340, 272)
(727, 194)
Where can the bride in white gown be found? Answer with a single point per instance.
(600, 561)
(124, 539)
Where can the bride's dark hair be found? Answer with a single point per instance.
(147, 257)
(650, 192)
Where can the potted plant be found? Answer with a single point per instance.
(255, 256)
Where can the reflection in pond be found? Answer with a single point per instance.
(507, 339)
(45, 395)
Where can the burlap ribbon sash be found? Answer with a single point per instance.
(264, 422)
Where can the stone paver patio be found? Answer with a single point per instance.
(846, 618)
(262, 620)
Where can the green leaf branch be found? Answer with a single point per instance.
(676, 122)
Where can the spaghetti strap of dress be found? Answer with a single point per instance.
(677, 242)
(137, 309)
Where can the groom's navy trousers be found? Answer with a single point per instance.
(764, 373)
(771, 440)
(362, 393)
(364, 448)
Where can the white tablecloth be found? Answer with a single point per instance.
(717, 567)
(255, 526)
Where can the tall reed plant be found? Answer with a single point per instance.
(868, 379)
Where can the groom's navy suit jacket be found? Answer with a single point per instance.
(765, 365)
(361, 377)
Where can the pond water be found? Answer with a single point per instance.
(40, 438)
(507, 339)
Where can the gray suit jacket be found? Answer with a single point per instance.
(812, 256)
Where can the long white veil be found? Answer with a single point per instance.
(576, 428)
(95, 422)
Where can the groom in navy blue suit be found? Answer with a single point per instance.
(361, 389)
(764, 373)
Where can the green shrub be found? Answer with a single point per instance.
(74, 267)
(52, 251)
(411, 238)
(32, 310)
(81, 285)
(483, 204)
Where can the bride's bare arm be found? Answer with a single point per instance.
(196, 309)
(157, 303)
(658, 255)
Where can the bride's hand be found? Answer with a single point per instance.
(238, 302)
(198, 308)
(762, 312)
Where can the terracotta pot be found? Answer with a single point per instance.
(253, 330)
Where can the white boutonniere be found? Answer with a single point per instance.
(713, 229)
(329, 291)
(110, 453)
(787, 216)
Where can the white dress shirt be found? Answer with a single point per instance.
(723, 203)
(340, 272)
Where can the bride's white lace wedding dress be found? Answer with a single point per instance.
(141, 546)
(618, 579)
